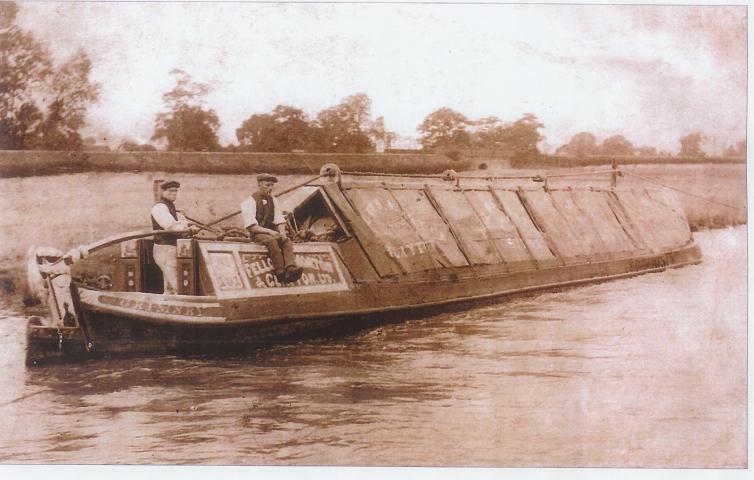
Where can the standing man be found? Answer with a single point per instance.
(264, 221)
(166, 217)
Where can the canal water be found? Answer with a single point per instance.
(648, 371)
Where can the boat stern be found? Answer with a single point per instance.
(61, 335)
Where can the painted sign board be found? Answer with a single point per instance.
(244, 269)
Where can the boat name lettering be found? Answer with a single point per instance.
(144, 305)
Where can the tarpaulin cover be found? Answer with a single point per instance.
(674, 217)
(559, 232)
(405, 229)
(644, 214)
(660, 218)
(385, 217)
(580, 223)
(640, 240)
(594, 205)
(531, 236)
(422, 215)
(467, 226)
(501, 230)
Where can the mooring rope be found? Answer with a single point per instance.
(652, 180)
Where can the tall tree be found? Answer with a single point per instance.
(380, 134)
(40, 106)
(616, 145)
(25, 66)
(737, 150)
(445, 128)
(582, 144)
(344, 128)
(488, 133)
(283, 130)
(691, 145)
(646, 151)
(187, 124)
(523, 136)
(71, 92)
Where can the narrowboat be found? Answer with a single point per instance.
(372, 247)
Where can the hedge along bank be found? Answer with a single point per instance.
(26, 163)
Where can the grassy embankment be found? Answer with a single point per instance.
(73, 209)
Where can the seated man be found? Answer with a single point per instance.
(166, 217)
(265, 223)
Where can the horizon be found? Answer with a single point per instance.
(652, 74)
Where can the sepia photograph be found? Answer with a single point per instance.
(285, 234)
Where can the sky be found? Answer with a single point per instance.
(650, 73)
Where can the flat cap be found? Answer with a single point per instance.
(266, 177)
(170, 184)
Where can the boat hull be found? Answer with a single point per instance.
(231, 324)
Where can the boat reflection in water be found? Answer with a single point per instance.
(387, 245)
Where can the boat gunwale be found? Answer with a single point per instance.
(223, 302)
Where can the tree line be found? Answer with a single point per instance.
(584, 144)
(348, 127)
(43, 107)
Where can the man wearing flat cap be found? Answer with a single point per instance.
(166, 217)
(264, 221)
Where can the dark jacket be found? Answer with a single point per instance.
(265, 210)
